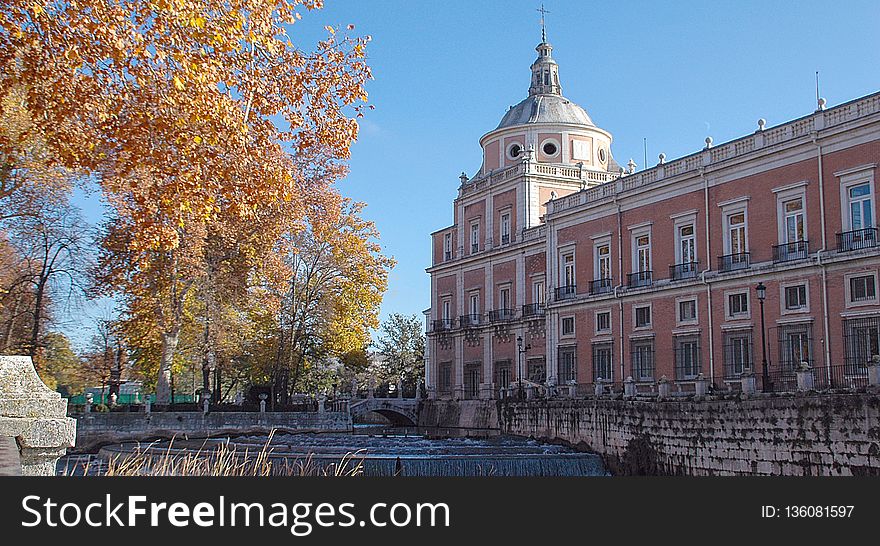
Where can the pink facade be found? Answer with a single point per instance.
(636, 279)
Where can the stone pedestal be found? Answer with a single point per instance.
(599, 387)
(148, 405)
(874, 374)
(322, 404)
(701, 385)
(805, 379)
(572, 390)
(747, 380)
(530, 392)
(629, 387)
(34, 415)
(663, 387)
(487, 391)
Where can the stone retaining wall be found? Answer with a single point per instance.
(831, 434)
(96, 429)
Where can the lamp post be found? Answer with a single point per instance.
(519, 373)
(765, 376)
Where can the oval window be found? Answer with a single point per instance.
(550, 148)
(514, 151)
(602, 155)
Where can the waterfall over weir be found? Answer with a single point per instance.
(388, 454)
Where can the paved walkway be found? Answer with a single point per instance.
(10, 464)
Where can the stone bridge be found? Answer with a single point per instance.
(400, 411)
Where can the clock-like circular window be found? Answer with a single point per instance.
(602, 156)
(514, 151)
(550, 148)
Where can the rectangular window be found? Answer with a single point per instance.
(475, 238)
(602, 363)
(687, 244)
(862, 342)
(505, 228)
(861, 208)
(643, 360)
(445, 377)
(567, 364)
(736, 233)
(643, 253)
(796, 297)
(568, 326)
(794, 220)
(568, 277)
(472, 378)
(475, 304)
(502, 374)
(447, 247)
(603, 261)
(795, 346)
(737, 305)
(536, 370)
(447, 309)
(687, 357)
(737, 353)
(504, 298)
(862, 288)
(539, 294)
(643, 316)
(603, 321)
(687, 311)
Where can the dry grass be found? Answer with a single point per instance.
(225, 459)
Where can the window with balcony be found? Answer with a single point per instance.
(793, 240)
(567, 287)
(857, 201)
(505, 228)
(686, 252)
(503, 374)
(735, 242)
(504, 311)
(447, 247)
(536, 308)
(602, 274)
(642, 274)
(473, 376)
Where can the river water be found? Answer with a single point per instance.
(385, 453)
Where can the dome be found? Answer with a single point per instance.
(545, 109)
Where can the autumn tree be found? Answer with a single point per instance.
(402, 346)
(330, 300)
(175, 107)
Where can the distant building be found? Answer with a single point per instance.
(607, 273)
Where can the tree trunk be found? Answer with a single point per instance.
(163, 383)
(38, 317)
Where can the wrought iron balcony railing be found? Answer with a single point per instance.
(502, 315)
(533, 310)
(686, 270)
(732, 262)
(469, 321)
(795, 250)
(856, 239)
(566, 292)
(442, 325)
(600, 286)
(639, 278)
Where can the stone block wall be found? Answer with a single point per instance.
(96, 429)
(827, 435)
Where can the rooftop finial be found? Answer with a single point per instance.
(543, 27)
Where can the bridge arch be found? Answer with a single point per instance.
(400, 411)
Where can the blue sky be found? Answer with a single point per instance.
(672, 73)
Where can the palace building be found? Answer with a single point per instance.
(565, 269)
